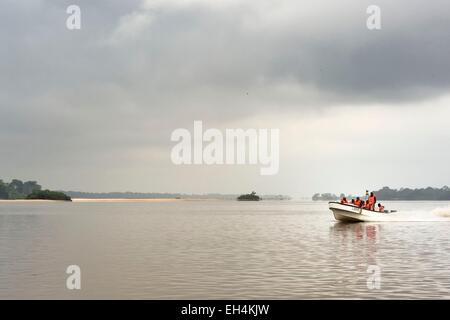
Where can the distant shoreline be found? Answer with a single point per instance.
(88, 200)
(159, 195)
(28, 200)
(388, 194)
(125, 200)
(119, 200)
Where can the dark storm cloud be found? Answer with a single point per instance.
(236, 48)
(204, 51)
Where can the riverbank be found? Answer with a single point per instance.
(88, 200)
(28, 200)
(125, 200)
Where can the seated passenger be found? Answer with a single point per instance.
(353, 201)
(344, 200)
(358, 202)
(380, 208)
(367, 205)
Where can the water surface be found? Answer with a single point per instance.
(220, 250)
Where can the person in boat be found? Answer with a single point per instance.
(372, 200)
(358, 202)
(380, 207)
(367, 205)
(353, 201)
(344, 200)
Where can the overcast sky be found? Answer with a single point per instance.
(93, 109)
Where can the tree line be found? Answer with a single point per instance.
(16, 189)
(386, 193)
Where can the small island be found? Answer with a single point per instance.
(249, 197)
(48, 195)
(29, 190)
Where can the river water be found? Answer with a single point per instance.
(221, 250)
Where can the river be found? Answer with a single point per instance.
(221, 250)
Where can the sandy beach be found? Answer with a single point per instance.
(125, 200)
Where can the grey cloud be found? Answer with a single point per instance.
(101, 89)
(196, 54)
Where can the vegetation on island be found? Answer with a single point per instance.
(48, 195)
(249, 197)
(405, 194)
(16, 190)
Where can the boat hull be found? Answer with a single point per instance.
(349, 213)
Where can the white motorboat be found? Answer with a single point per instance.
(351, 213)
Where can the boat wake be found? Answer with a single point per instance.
(442, 212)
(438, 214)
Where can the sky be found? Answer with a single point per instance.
(93, 109)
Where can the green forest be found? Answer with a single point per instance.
(17, 189)
(386, 193)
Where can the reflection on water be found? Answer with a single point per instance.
(367, 234)
(217, 249)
